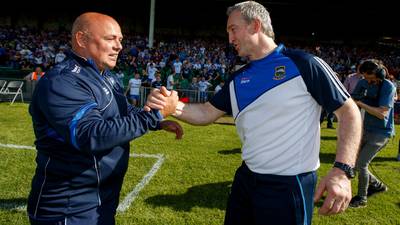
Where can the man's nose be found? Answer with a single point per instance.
(118, 46)
(230, 39)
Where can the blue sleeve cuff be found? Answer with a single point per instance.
(159, 117)
(158, 114)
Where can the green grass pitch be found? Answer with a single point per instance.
(193, 182)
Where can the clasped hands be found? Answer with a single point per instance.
(165, 101)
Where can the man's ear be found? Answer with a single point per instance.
(256, 26)
(81, 39)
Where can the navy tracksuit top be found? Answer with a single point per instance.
(83, 125)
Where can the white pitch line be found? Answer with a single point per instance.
(13, 206)
(17, 146)
(130, 197)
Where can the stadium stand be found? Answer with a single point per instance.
(24, 48)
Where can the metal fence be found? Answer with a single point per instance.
(193, 96)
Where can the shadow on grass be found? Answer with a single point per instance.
(13, 204)
(328, 138)
(229, 152)
(330, 158)
(327, 157)
(384, 159)
(213, 195)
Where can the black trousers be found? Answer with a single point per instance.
(270, 199)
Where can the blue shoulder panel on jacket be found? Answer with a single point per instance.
(263, 75)
(75, 120)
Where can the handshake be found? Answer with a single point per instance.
(166, 102)
(163, 100)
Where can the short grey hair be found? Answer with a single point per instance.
(251, 10)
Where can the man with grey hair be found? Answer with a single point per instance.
(276, 101)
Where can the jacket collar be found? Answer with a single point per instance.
(88, 62)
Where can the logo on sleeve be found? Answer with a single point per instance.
(244, 80)
(280, 73)
(76, 69)
(112, 81)
(106, 91)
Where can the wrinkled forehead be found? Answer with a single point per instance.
(105, 26)
(235, 19)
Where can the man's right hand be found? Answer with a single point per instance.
(163, 100)
(172, 126)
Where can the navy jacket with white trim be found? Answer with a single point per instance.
(83, 125)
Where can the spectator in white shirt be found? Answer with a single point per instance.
(60, 56)
(203, 86)
(151, 72)
(134, 89)
(170, 81)
(177, 66)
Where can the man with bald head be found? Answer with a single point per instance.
(83, 125)
(99, 37)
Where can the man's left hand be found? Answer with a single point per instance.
(338, 188)
(172, 126)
